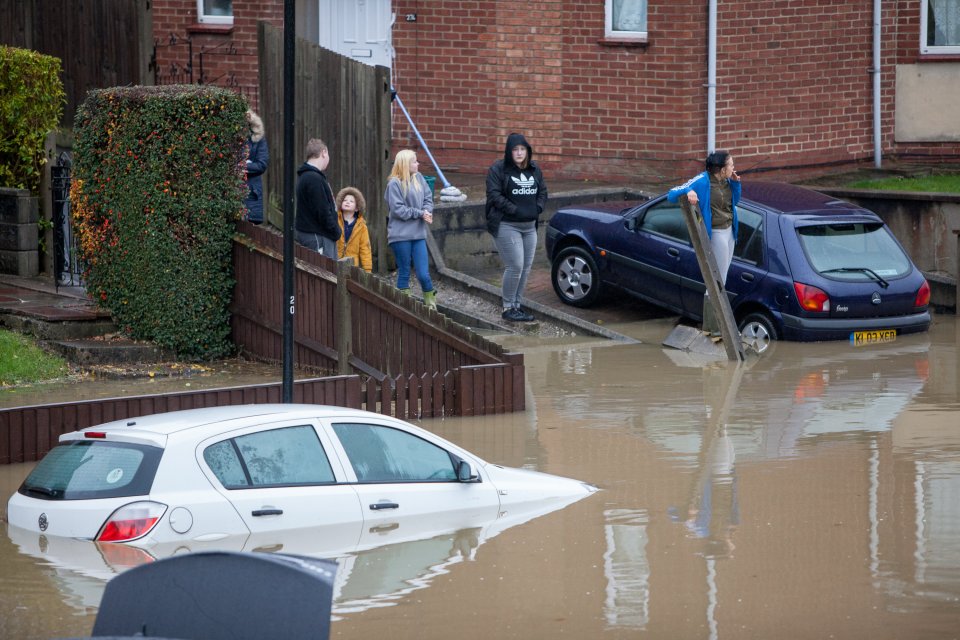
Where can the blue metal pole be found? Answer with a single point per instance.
(423, 144)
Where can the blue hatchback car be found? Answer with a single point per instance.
(806, 266)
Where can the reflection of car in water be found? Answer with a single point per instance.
(378, 565)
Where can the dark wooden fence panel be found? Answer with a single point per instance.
(344, 102)
(27, 433)
(102, 43)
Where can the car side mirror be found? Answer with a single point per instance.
(631, 224)
(465, 472)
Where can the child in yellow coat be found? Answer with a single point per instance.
(354, 242)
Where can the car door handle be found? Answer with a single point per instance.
(746, 276)
(673, 252)
(267, 512)
(377, 506)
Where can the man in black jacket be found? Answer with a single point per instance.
(317, 226)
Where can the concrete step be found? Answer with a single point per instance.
(111, 351)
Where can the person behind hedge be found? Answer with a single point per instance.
(410, 207)
(355, 241)
(316, 221)
(516, 195)
(717, 191)
(258, 157)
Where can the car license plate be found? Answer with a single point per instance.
(863, 338)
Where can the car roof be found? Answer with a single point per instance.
(164, 424)
(785, 198)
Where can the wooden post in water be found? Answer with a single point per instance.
(711, 277)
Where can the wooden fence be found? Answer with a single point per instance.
(345, 103)
(102, 43)
(27, 433)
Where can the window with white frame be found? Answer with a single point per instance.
(215, 11)
(626, 19)
(940, 26)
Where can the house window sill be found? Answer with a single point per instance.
(211, 29)
(630, 43)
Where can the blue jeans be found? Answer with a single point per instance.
(517, 244)
(321, 244)
(404, 251)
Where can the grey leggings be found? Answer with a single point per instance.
(517, 243)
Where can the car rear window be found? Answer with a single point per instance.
(89, 469)
(858, 251)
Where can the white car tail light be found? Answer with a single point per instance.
(131, 521)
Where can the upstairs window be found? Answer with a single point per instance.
(939, 26)
(215, 11)
(626, 19)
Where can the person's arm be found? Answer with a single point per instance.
(541, 192)
(684, 190)
(397, 206)
(735, 188)
(366, 254)
(328, 213)
(495, 195)
(257, 164)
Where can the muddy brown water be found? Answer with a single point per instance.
(812, 493)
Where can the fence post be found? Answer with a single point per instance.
(343, 316)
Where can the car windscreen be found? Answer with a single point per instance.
(854, 251)
(89, 469)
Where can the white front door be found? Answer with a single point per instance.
(358, 29)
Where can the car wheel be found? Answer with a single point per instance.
(757, 332)
(575, 277)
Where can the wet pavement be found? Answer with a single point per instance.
(810, 493)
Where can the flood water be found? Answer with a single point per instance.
(811, 493)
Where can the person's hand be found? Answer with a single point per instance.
(735, 176)
(692, 197)
(427, 217)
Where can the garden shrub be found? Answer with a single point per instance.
(31, 103)
(157, 187)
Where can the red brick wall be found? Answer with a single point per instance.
(230, 56)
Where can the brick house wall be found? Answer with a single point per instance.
(794, 88)
(229, 51)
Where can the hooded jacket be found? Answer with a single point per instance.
(258, 157)
(514, 194)
(358, 246)
(316, 210)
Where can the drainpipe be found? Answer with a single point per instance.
(877, 152)
(712, 77)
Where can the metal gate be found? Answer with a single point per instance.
(66, 264)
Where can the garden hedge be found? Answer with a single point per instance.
(31, 103)
(157, 187)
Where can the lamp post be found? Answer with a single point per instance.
(289, 203)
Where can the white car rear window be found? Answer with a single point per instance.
(89, 469)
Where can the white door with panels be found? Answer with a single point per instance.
(358, 29)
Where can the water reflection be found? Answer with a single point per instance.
(811, 492)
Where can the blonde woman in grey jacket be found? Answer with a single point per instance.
(410, 204)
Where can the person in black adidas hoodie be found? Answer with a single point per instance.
(516, 195)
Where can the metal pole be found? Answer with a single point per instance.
(289, 205)
(877, 142)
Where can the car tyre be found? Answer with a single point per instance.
(575, 278)
(757, 332)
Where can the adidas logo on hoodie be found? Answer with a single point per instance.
(524, 185)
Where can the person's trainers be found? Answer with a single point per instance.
(525, 317)
(513, 315)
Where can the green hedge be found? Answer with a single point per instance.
(157, 186)
(31, 103)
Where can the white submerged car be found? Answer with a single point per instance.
(202, 475)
